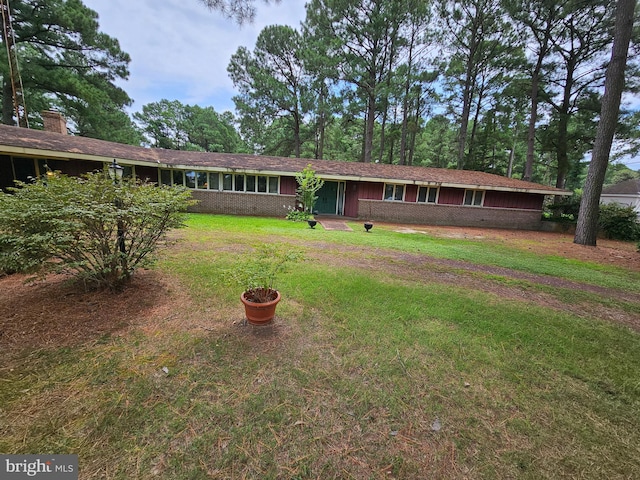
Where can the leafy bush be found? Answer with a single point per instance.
(565, 210)
(298, 215)
(86, 226)
(619, 222)
(258, 271)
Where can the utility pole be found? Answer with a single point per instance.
(9, 39)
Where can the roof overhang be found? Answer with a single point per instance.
(71, 155)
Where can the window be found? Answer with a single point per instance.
(239, 183)
(165, 177)
(427, 194)
(227, 181)
(394, 192)
(214, 181)
(473, 197)
(178, 178)
(201, 177)
(251, 183)
(220, 181)
(273, 184)
(190, 177)
(262, 184)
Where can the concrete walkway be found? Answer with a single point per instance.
(335, 224)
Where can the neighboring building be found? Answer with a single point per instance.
(624, 193)
(264, 185)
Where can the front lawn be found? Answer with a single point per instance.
(392, 355)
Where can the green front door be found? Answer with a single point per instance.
(327, 198)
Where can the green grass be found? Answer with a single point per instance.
(351, 380)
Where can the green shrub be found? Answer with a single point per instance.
(619, 222)
(298, 215)
(89, 227)
(565, 210)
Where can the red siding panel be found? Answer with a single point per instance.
(411, 193)
(371, 191)
(288, 185)
(527, 201)
(451, 196)
(351, 199)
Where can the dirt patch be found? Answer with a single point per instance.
(607, 252)
(58, 312)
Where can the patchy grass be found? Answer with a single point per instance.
(372, 369)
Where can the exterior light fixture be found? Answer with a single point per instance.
(115, 171)
(368, 226)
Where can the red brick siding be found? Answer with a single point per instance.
(454, 215)
(237, 203)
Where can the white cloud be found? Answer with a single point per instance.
(180, 50)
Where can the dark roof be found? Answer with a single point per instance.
(20, 141)
(628, 187)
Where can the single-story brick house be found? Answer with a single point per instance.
(624, 193)
(263, 185)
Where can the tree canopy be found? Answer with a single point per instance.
(170, 124)
(68, 64)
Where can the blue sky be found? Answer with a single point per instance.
(180, 50)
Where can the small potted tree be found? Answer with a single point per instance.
(258, 276)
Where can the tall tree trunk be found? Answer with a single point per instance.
(587, 228)
(476, 117)
(533, 117)
(562, 154)
(464, 125)
(512, 154)
(405, 101)
(296, 134)
(369, 127)
(321, 125)
(467, 94)
(385, 100)
(414, 132)
(7, 103)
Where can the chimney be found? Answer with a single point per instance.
(54, 122)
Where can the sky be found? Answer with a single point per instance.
(180, 49)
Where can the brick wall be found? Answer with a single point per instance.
(236, 203)
(54, 122)
(451, 215)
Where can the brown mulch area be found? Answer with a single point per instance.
(57, 312)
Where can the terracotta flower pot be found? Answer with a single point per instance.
(260, 313)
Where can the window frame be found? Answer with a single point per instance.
(429, 189)
(475, 201)
(222, 181)
(394, 195)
